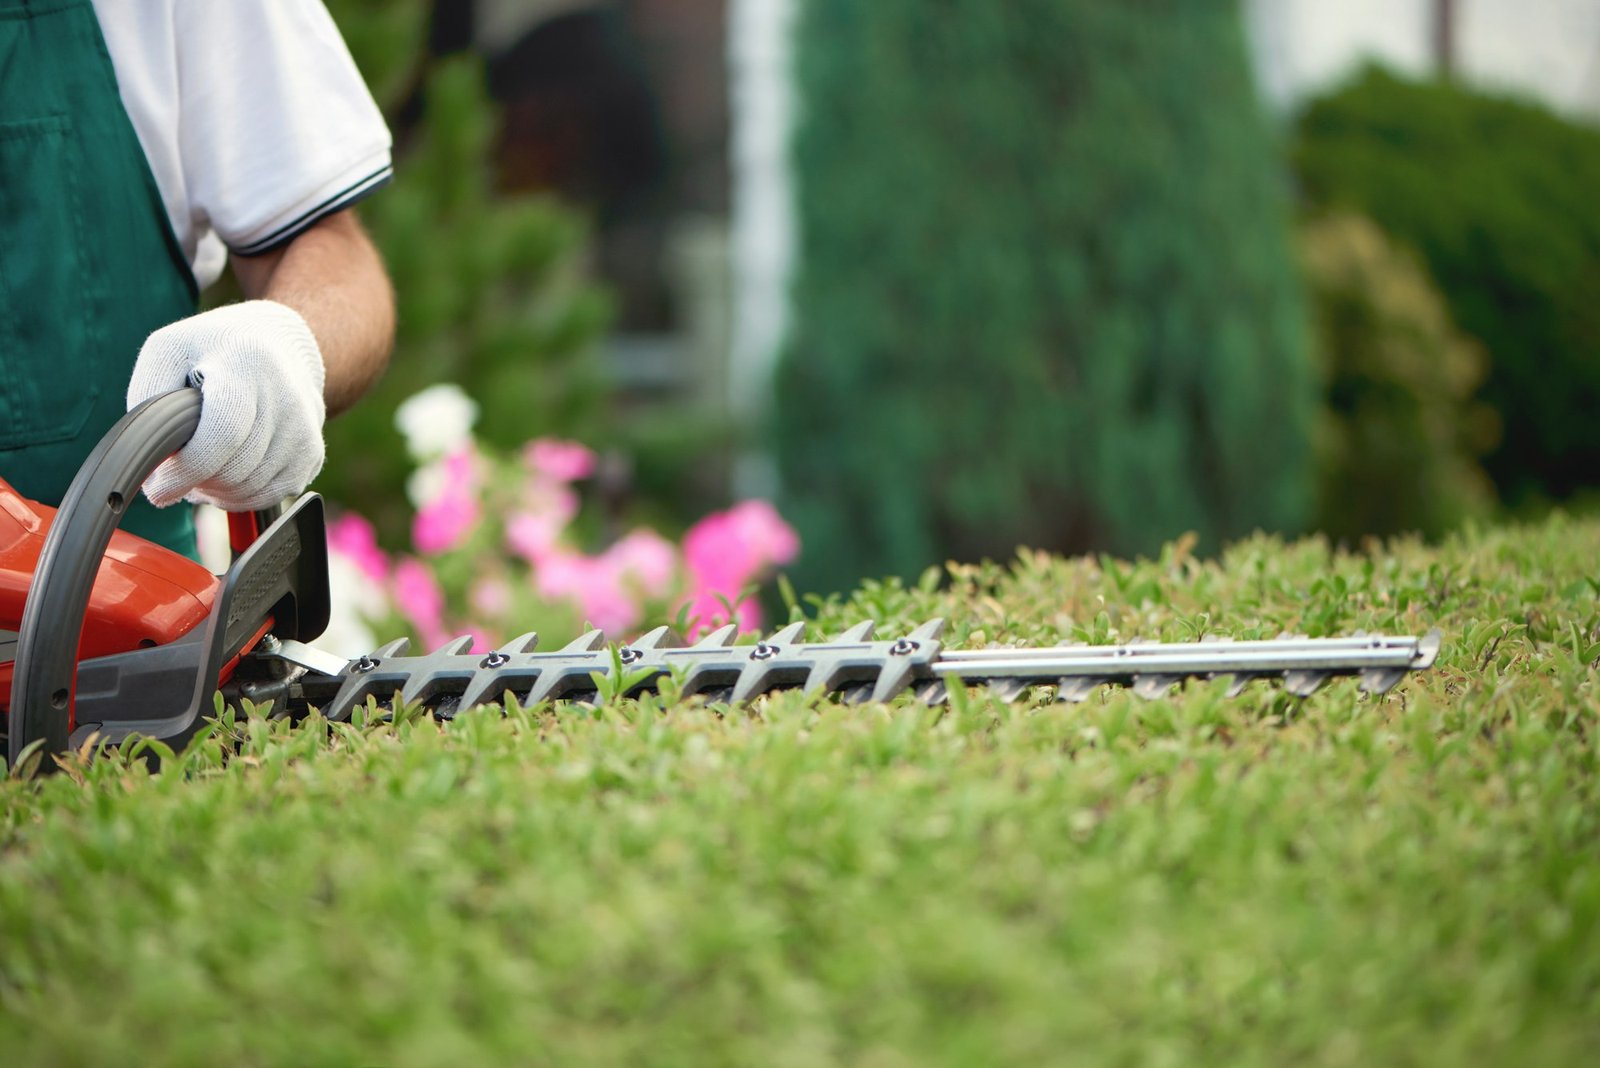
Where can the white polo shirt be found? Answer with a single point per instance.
(251, 114)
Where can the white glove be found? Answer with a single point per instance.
(260, 375)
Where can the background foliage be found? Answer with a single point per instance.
(1497, 195)
(1400, 432)
(1046, 292)
(494, 293)
(1045, 296)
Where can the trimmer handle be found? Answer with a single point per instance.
(52, 619)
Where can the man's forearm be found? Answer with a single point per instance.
(333, 276)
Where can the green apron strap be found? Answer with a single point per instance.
(89, 265)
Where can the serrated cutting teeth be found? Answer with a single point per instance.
(856, 666)
(1381, 680)
(522, 643)
(1009, 689)
(719, 638)
(859, 633)
(1151, 687)
(1304, 683)
(586, 642)
(1078, 689)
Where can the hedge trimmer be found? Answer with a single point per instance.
(105, 634)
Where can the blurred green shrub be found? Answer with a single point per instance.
(1498, 196)
(1400, 434)
(492, 288)
(1047, 292)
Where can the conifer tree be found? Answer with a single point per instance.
(1046, 291)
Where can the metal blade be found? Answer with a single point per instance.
(859, 633)
(788, 635)
(1009, 690)
(660, 638)
(1381, 680)
(308, 657)
(1304, 683)
(852, 665)
(720, 638)
(587, 642)
(1079, 688)
(1151, 687)
(856, 695)
(398, 647)
(434, 686)
(522, 643)
(557, 682)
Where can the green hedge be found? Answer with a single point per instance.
(1346, 879)
(1498, 196)
(1046, 291)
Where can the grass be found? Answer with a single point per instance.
(1407, 879)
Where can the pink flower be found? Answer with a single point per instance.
(761, 528)
(534, 536)
(491, 596)
(421, 600)
(726, 551)
(352, 536)
(445, 520)
(534, 532)
(560, 574)
(646, 560)
(563, 461)
(444, 524)
(593, 583)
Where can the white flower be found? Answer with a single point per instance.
(436, 421)
(354, 598)
(426, 483)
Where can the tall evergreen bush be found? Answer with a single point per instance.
(1498, 196)
(1047, 292)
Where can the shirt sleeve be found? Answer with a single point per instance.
(276, 127)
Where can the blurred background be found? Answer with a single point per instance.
(1060, 273)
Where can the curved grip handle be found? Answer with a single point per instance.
(52, 618)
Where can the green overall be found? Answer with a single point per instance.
(89, 265)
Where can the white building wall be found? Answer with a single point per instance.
(763, 241)
(1549, 49)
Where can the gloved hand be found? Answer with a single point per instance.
(260, 375)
